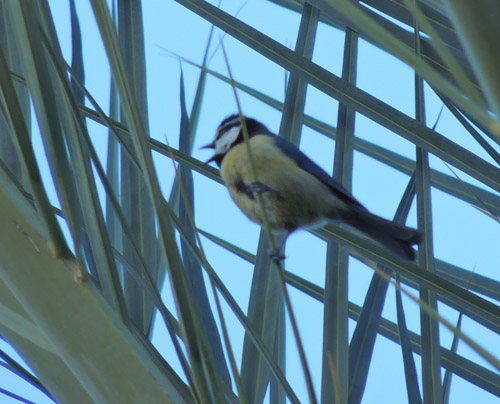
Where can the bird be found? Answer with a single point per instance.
(296, 192)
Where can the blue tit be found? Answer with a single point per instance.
(296, 192)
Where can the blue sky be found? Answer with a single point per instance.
(463, 236)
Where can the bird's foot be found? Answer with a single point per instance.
(260, 188)
(277, 256)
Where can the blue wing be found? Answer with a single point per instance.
(306, 164)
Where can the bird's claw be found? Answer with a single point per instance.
(276, 256)
(260, 188)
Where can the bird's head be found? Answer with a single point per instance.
(229, 134)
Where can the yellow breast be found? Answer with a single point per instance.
(297, 198)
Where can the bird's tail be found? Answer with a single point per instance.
(395, 237)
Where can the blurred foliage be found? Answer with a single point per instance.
(81, 285)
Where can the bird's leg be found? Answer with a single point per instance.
(258, 187)
(277, 255)
(253, 188)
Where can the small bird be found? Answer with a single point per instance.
(296, 192)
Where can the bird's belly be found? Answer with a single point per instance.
(283, 213)
(294, 197)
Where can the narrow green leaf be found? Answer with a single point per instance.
(277, 394)
(112, 173)
(263, 306)
(192, 266)
(136, 203)
(429, 326)
(195, 112)
(474, 133)
(111, 122)
(8, 151)
(15, 396)
(365, 333)
(411, 377)
(447, 374)
(76, 53)
(295, 96)
(335, 319)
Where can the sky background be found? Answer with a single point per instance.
(462, 235)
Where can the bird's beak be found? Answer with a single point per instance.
(209, 146)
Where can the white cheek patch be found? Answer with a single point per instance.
(223, 144)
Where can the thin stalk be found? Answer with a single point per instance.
(225, 334)
(267, 228)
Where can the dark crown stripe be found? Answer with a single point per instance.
(227, 124)
(254, 128)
